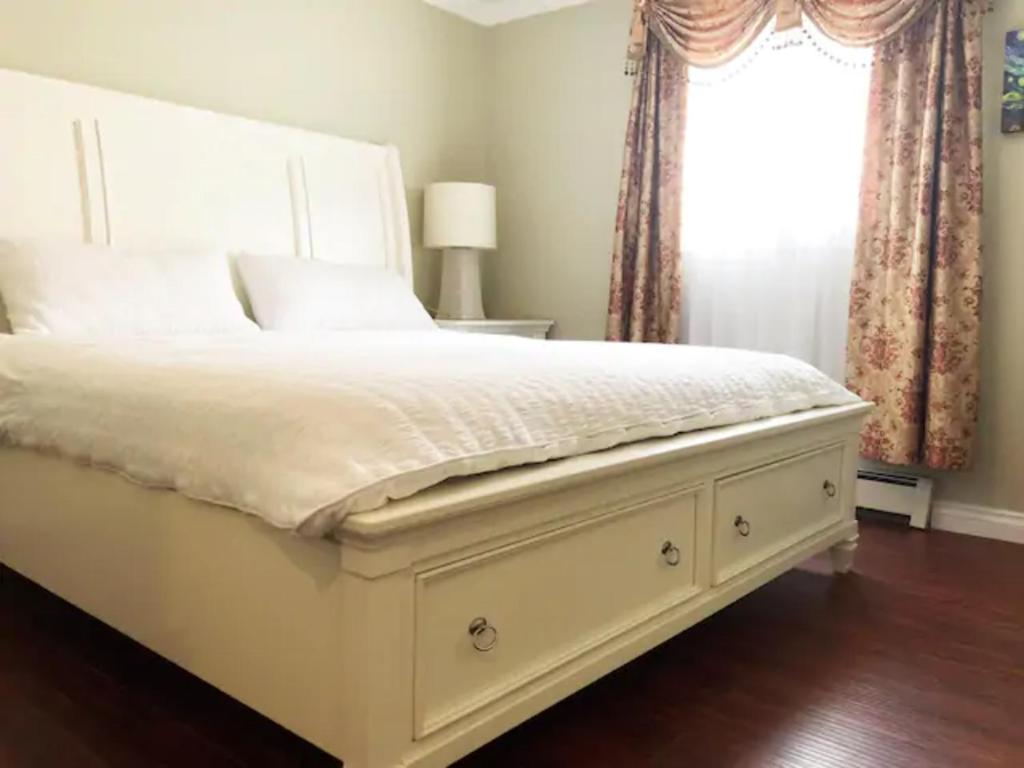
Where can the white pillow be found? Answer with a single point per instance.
(92, 290)
(291, 294)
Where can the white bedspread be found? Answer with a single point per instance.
(302, 431)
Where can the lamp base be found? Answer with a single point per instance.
(460, 286)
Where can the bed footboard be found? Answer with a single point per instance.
(431, 626)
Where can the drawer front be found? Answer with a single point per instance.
(545, 601)
(762, 512)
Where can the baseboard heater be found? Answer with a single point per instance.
(896, 494)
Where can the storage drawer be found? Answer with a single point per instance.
(544, 601)
(761, 512)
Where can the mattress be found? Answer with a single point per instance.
(302, 431)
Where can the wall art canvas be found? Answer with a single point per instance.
(1013, 83)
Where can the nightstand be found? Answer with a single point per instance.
(531, 329)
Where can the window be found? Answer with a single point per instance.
(774, 148)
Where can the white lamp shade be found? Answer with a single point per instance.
(460, 215)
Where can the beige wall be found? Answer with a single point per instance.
(998, 478)
(558, 123)
(397, 71)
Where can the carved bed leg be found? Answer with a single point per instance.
(842, 554)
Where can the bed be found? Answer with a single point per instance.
(404, 633)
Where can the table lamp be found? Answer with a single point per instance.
(461, 219)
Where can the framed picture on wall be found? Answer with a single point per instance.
(1013, 83)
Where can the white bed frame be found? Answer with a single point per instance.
(424, 629)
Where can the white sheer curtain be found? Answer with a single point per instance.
(774, 148)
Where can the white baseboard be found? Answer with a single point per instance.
(974, 520)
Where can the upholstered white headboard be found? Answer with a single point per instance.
(105, 167)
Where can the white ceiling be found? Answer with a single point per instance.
(490, 12)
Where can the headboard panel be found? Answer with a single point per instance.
(346, 224)
(101, 166)
(41, 150)
(179, 177)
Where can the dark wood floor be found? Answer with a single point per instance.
(917, 659)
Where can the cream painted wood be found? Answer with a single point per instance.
(532, 329)
(761, 512)
(607, 480)
(842, 555)
(49, 183)
(541, 601)
(173, 176)
(357, 209)
(321, 636)
(90, 164)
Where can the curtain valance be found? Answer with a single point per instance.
(708, 33)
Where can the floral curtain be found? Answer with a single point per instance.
(708, 33)
(645, 288)
(915, 300)
(865, 22)
(666, 36)
(915, 316)
(705, 33)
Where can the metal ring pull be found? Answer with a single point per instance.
(484, 634)
(671, 553)
(830, 489)
(743, 526)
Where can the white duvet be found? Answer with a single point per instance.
(303, 430)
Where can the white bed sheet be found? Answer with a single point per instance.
(304, 430)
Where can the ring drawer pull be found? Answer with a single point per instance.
(671, 553)
(484, 634)
(830, 489)
(743, 526)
